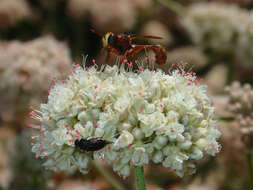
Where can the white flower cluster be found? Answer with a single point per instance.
(32, 66)
(13, 11)
(149, 116)
(214, 25)
(240, 103)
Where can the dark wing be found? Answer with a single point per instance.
(145, 37)
(135, 36)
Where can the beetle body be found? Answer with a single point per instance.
(92, 144)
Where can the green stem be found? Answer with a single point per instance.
(172, 5)
(231, 69)
(140, 180)
(224, 118)
(108, 177)
(250, 167)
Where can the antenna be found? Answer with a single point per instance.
(95, 32)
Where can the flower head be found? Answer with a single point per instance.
(27, 69)
(117, 16)
(13, 11)
(240, 104)
(149, 116)
(214, 25)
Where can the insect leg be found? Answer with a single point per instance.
(134, 50)
(108, 56)
(160, 52)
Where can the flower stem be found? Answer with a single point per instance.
(108, 177)
(224, 118)
(140, 180)
(172, 5)
(250, 167)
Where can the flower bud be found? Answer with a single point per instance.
(160, 141)
(157, 157)
(138, 134)
(124, 140)
(140, 157)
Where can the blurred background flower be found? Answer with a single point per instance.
(27, 70)
(40, 39)
(14, 11)
(213, 25)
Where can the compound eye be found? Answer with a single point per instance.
(111, 39)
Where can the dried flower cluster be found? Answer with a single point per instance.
(116, 16)
(156, 28)
(141, 4)
(79, 8)
(148, 115)
(6, 174)
(13, 11)
(110, 15)
(214, 25)
(241, 103)
(26, 170)
(77, 184)
(240, 2)
(218, 72)
(237, 135)
(190, 55)
(32, 65)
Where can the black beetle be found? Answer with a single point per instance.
(92, 144)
